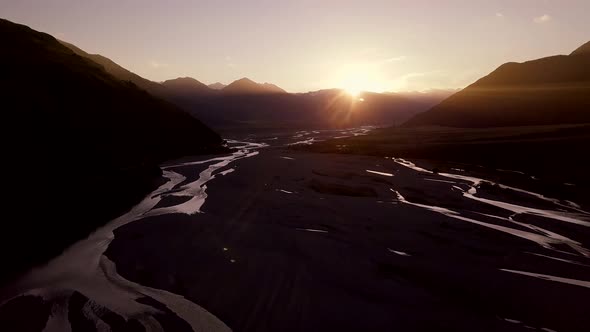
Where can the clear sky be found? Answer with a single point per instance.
(302, 45)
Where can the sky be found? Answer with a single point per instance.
(303, 45)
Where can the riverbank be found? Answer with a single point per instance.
(59, 204)
(555, 155)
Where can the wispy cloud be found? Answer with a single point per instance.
(229, 62)
(542, 19)
(499, 15)
(157, 65)
(395, 59)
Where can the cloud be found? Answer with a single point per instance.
(499, 15)
(157, 65)
(542, 19)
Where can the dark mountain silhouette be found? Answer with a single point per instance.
(217, 86)
(81, 145)
(186, 86)
(246, 86)
(552, 90)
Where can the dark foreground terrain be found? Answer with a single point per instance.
(274, 239)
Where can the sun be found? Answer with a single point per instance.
(353, 92)
(355, 79)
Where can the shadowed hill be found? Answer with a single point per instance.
(81, 145)
(552, 90)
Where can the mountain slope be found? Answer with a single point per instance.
(582, 50)
(552, 90)
(84, 144)
(117, 71)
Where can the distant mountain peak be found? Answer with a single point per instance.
(247, 86)
(245, 80)
(184, 80)
(584, 49)
(186, 85)
(217, 86)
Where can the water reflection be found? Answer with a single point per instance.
(379, 173)
(575, 282)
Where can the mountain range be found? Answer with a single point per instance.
(245, 103)
(551, 90)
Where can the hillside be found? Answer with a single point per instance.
(552, 90)
(582, 50)
(82, 145)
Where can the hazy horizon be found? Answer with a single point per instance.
(305, 46)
